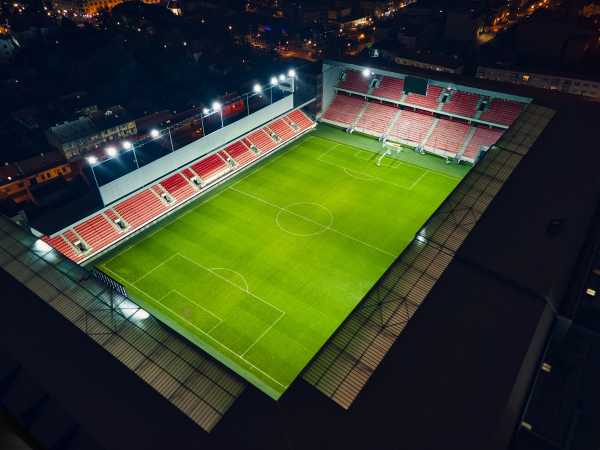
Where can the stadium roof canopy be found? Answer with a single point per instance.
(496, 259)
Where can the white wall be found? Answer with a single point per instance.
(191, 153)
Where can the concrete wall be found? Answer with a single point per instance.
(330, 77)
(191, 153)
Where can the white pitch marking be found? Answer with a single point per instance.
(225, 347)
(335, 231)
(419, 179)
(263, 334)
(403, 162)
(155, 268)
(325, 227)
(222, 268)
(359, 178)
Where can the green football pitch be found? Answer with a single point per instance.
(261, 271)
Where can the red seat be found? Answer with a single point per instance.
(344, 109)
(448, 135)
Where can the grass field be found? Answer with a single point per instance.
(263, 271)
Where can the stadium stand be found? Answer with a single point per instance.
(356, 81)
(282, 129)
(503, 112)
(262, 141)
(209, 167)
(462, 103)
(240, 153)
(188, 173)
(389, 88)
(344, 109)
(97, 232)
(412, 126)
(300, 119)
(178, 187)
(448, 135)
(483, 136)
(61, 245)
(377, 117)
(431, 100)
(140, 208)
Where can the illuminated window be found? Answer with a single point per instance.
(525, 77)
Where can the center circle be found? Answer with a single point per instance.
(304, 219)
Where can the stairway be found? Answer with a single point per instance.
(435, 122)
(464, 146)
(392, 123)
(375, 84)
(362, 111)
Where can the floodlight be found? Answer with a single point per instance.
(292, 73)
(92, 159)
(216, 106)
(366, 72)
(273, 81)
(257, 88)
(111, 151)
(154, 133)
(205, 111)
(281, 77)
(126, 144)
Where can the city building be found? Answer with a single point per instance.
(588, 86)
(7, 48)
(16, 179)
(75, 105)
(375, 8)
(87, 8)
(301, 14)
(91, 133)
(394, 51)
(464, 23)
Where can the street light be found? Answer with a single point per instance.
(154, 133)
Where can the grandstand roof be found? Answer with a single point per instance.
(463, 80)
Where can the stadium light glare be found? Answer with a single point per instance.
(111, 151)
(205, 111)
(281, 77)
(366, 72)
(292, 73)
(257, 88)
(141, 314)
(216, 106)
(92, 159)
(273, 81)
(127, 144)
(154, 133)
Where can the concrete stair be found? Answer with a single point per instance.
(464, 146)
(435, 122)
(392, 123)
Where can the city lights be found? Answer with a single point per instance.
(154, 133)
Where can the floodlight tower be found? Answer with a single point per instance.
(273, 83)
(92, 160)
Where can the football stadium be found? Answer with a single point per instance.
(294, 240)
